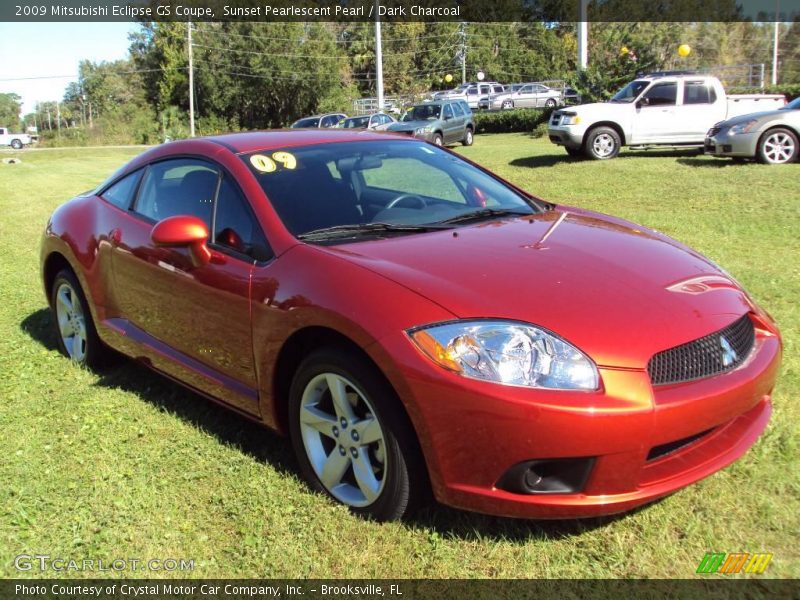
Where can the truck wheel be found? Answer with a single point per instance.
(507, 104)
(16, 144)
(602, 143)
(778, 146)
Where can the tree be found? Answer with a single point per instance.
(10, 108)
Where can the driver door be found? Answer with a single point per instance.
(655, 111)
(194, 322)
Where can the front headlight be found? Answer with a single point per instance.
(570, 118)
(743, 127)
(423, 130)
(507, 352)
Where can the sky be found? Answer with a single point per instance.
(47, 49)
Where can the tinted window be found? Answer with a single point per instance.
(696, 92)
(235, 226)
(473, 91)
(498, 89)
(459, 112)
(330, 121)
(401, 182)
(310, 122)
(448, 112)
(662, 94)
(178, 187)
(121, 193)
(630, 91)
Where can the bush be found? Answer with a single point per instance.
(526, 120)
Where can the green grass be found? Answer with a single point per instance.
(127, 464)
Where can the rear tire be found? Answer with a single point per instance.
(550, 103)
(352, 439)
(602, 143)
(16, 144)
(778, 146)
(75, 330)
(469, 137)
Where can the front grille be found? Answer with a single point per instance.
(556, 119)
(710, 355)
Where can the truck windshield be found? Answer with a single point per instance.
(630, 92)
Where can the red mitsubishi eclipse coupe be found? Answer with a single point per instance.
(414, 323)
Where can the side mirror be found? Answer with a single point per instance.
(447, 117)
(643, 101)
(183, 231)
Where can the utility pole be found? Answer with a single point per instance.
(378, 55)
(463, 52)
(58, 117)
(775, 45)
(49, 120)
(191, 80)
(583, 37)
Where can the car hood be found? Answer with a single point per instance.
(409, 125)
(617, 291)
(768, 114)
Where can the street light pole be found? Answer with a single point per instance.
(775, 44)
(378, 55)
(191, 81)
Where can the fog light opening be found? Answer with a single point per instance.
(547, 476)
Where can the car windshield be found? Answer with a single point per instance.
(630, 92)
(423, 112)
(310, 122)
(793, 105)
(354, 123)
(369, 189)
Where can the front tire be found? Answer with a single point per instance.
(75, 330)
(16, 144)
(507, 104)
(437, 139)
(469, 137)
(778, 146)
(351, 437)
(550, 103)
(602, 143)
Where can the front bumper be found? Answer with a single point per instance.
(723, 144)
(570, 136)
(473, 432)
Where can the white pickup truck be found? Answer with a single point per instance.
(666, 109)
(15, 140)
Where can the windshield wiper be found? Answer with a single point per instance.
(485, 213)
(362, 228)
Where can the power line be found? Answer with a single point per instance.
(78, 75)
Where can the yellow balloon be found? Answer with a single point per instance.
(448, 78)
(684, 50)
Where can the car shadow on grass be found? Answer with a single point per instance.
(551, 160)
(227, 426)
(267, 447)
(712, 163)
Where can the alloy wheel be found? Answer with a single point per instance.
(343, 439)
(604, 145)
(71, 322)
(779, 148)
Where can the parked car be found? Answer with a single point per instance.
(473, 92)
(528, 95)
(319, 121)
(376, 121)
(16, 140)
(662, 109)
(572, 96)
(771, 137)
(442, 122)
(414, 322)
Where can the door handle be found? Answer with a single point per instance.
(115, 236)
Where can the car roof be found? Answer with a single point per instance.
(252, 141)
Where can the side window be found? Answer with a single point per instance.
(526, 89)
(457, 110)
(498, 89)
(448, 112)
(235, 227)
(178, 187)
(465, 106)
(696, 92)
(121, 193)
(662, 94)
(472, 91)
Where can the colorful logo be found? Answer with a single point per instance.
(736, 562)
